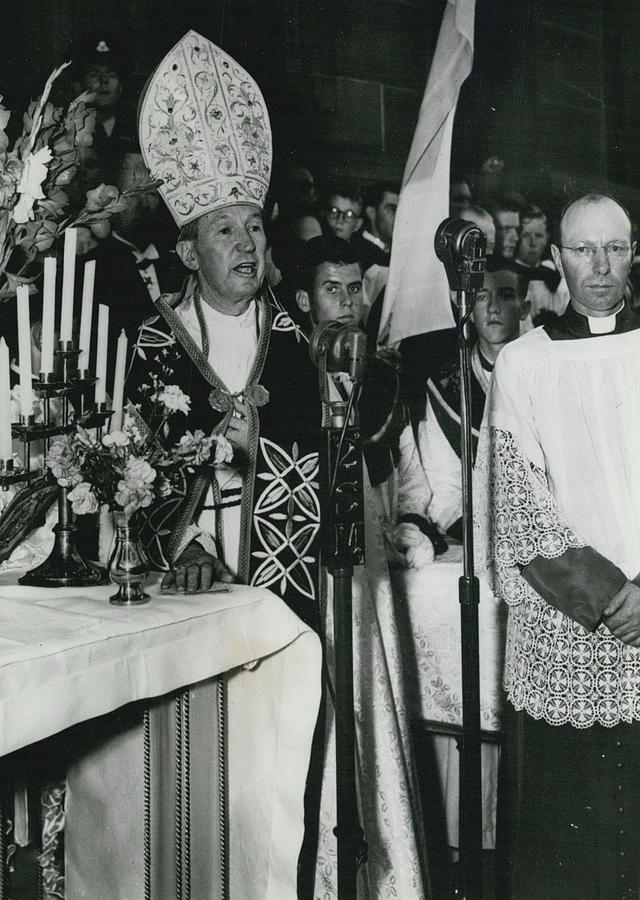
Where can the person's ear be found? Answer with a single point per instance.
(555, 253)
(370, 212)
(303, 301)
(188, 255)
(525, 309)
(358, 224)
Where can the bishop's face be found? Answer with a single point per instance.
(228, 255)
(595, 255)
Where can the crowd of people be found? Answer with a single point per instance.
(554, 429)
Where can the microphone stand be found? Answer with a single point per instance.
(461, 247)
(342, 532)
(470, 803)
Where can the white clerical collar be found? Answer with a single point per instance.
(604, 324)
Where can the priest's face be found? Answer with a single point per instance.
(228, 255)
(595, 254)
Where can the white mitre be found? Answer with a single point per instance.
(204, 131)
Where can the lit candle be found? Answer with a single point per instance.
(48, 315)
(68, 284)
(5, 403)
(118, 383)
(101, 353)
(87, 314)
(24, 352)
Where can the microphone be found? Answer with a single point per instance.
(462, 248)
(342, 344)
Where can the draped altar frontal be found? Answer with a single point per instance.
(67, 656)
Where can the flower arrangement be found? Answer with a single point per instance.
(128, 469)
(34, 172)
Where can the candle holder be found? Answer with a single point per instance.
(65, 565)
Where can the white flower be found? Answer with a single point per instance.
(83, 500)
(174, 399)
(115, 439)
(60, 459)
(138, 472)
(132, 498)
(224, 450)
(30, 184)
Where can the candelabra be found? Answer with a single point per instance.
(65, 565)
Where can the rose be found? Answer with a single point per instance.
(104, 201)
(138, 472)
(63, 463)
(224, 450)
(132, 498)
(83, 500)
(30, 185)
(173, 399)
(194, 447)
(115, 439)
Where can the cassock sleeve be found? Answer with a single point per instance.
(580, 583)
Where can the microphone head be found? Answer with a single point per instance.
(344, 345)
(461, 246)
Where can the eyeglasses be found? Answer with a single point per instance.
(614, 250)
(335, 213)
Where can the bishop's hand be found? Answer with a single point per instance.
(195, 570)
(237, 432)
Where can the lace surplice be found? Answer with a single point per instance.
(555, 669)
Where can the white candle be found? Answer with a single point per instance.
(68, 284)
(87, 314)
(118, 383)
(5, 403)
(48, 315)
(24, 351)
(101, 353)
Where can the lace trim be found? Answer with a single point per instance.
(554, 669)
(516, 515)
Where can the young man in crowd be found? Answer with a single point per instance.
(499, 309)
(540, 273)
(343, 210)
(381, 204)
(506, 216)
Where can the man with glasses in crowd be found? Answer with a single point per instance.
(561, 527)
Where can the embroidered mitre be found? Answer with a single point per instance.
(204, 131)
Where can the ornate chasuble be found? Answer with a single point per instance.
(280, 511)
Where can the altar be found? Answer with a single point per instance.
(67, 656)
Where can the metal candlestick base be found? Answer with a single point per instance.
(129, 595)
(65, 565)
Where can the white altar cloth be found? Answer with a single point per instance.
(428, 616)
(67, 656)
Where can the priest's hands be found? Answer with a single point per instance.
(195, 570)
(622, 615)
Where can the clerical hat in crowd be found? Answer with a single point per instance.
(204, 131)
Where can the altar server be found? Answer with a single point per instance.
(560, 452)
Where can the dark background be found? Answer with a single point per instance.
(554, 90)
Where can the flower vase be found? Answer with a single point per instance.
(128, 564)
